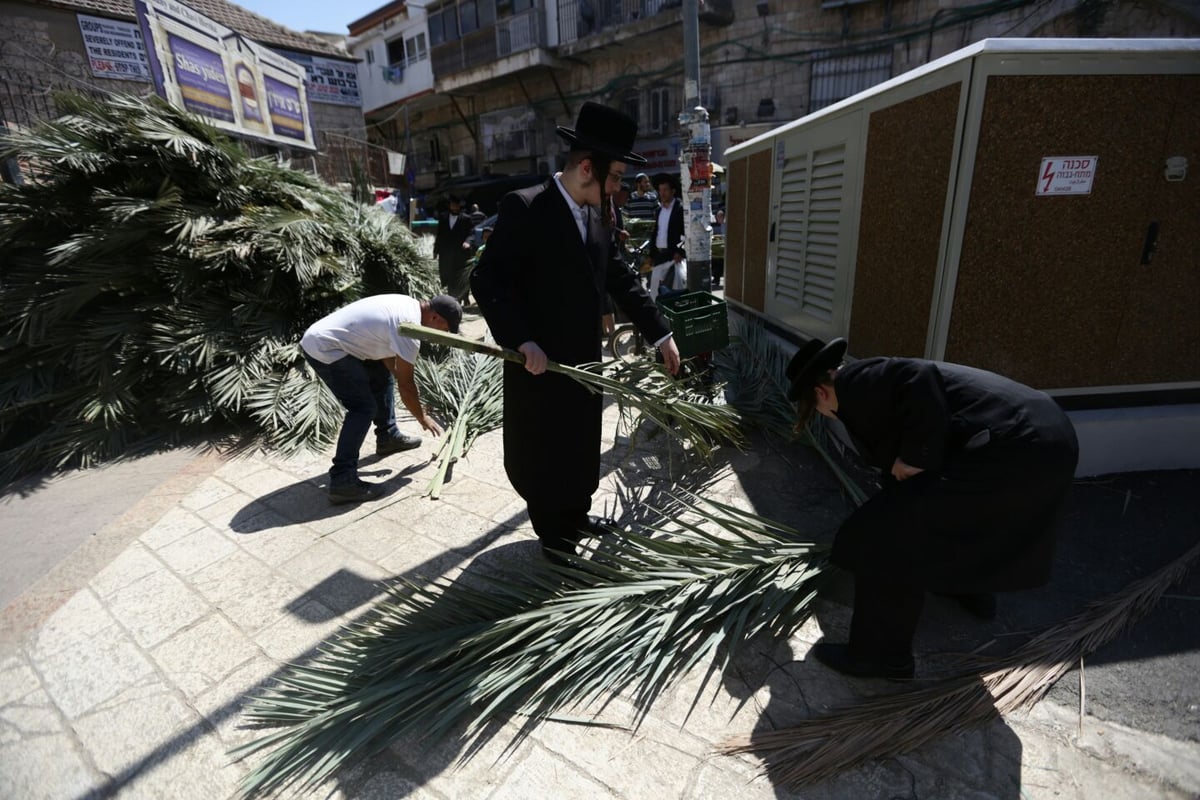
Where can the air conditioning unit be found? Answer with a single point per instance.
(460, 166)
(547, 165)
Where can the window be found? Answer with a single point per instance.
(370, 55)
(395, 51)
(468, 18)
(662, 113)
(487, 12)
(631, 104)
(837, 78)
(443, 26)
(521, 5)
(414, 48)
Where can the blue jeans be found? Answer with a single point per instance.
(367, 390)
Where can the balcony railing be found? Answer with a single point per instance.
(515, 34)
(521, 32)
(581, 18)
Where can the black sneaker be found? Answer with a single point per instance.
(356, 492)
(396, 444)
(839, 659)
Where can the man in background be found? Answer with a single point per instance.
(452, 248)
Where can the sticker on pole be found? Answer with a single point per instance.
(1066, 175)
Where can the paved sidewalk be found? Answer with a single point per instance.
(132, 685)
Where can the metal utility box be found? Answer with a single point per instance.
(1028, 206)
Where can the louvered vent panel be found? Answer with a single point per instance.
(822, 225)
(789, 254)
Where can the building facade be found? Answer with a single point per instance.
(484, 90)
(95, 47)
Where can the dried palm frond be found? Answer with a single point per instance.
(443, 658)
(643, 386)
(466, 388)
(820, 748)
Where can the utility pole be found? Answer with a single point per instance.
(695, 159)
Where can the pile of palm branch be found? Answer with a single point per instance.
(820, 748)
(467, 389)
(445, 658)
(156, 280)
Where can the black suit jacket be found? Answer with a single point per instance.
(447, 243)
(674, 234)
(999, 459)
(538, 281)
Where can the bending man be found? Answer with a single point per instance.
(975, 468)
(358, 351)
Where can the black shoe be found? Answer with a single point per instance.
(396, 444)
(838, 658)
(601, 526)
(355, 492)
(981, 606)
(557, 553)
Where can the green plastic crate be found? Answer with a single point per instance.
(698, 320)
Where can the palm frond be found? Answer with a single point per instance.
(883, 727)
(156, 279)
(433, 659)
(645, 387)
(468, 390)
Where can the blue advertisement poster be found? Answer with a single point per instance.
(208, 69)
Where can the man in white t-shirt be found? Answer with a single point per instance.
(357, 351)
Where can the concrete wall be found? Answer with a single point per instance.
(42, 48)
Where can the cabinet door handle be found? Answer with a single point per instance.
(1151, 243)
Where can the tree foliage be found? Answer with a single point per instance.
(156, 280)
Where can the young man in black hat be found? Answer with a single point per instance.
(666, 238)
(975, 468)
(452, 248)
(357, 351)
(540, 284)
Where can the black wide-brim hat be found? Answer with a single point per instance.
(813, 358)
(604, 131)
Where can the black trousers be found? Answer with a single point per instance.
(886, 613)
(559, 527)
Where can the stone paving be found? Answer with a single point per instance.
(133, 686)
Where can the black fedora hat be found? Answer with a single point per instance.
(813, 358)
(605, 131)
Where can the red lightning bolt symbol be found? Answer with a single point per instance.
(1048, 175)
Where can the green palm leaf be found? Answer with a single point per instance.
(156, 280)
(646, 388)
(444, 657)
(466, 388)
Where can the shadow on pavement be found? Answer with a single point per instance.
(347, 585)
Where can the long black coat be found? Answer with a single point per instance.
(451, 255)
(998, 457)
(537, 281)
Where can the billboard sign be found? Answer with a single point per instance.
(114, 48)
(200, 65)
(329, 80)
